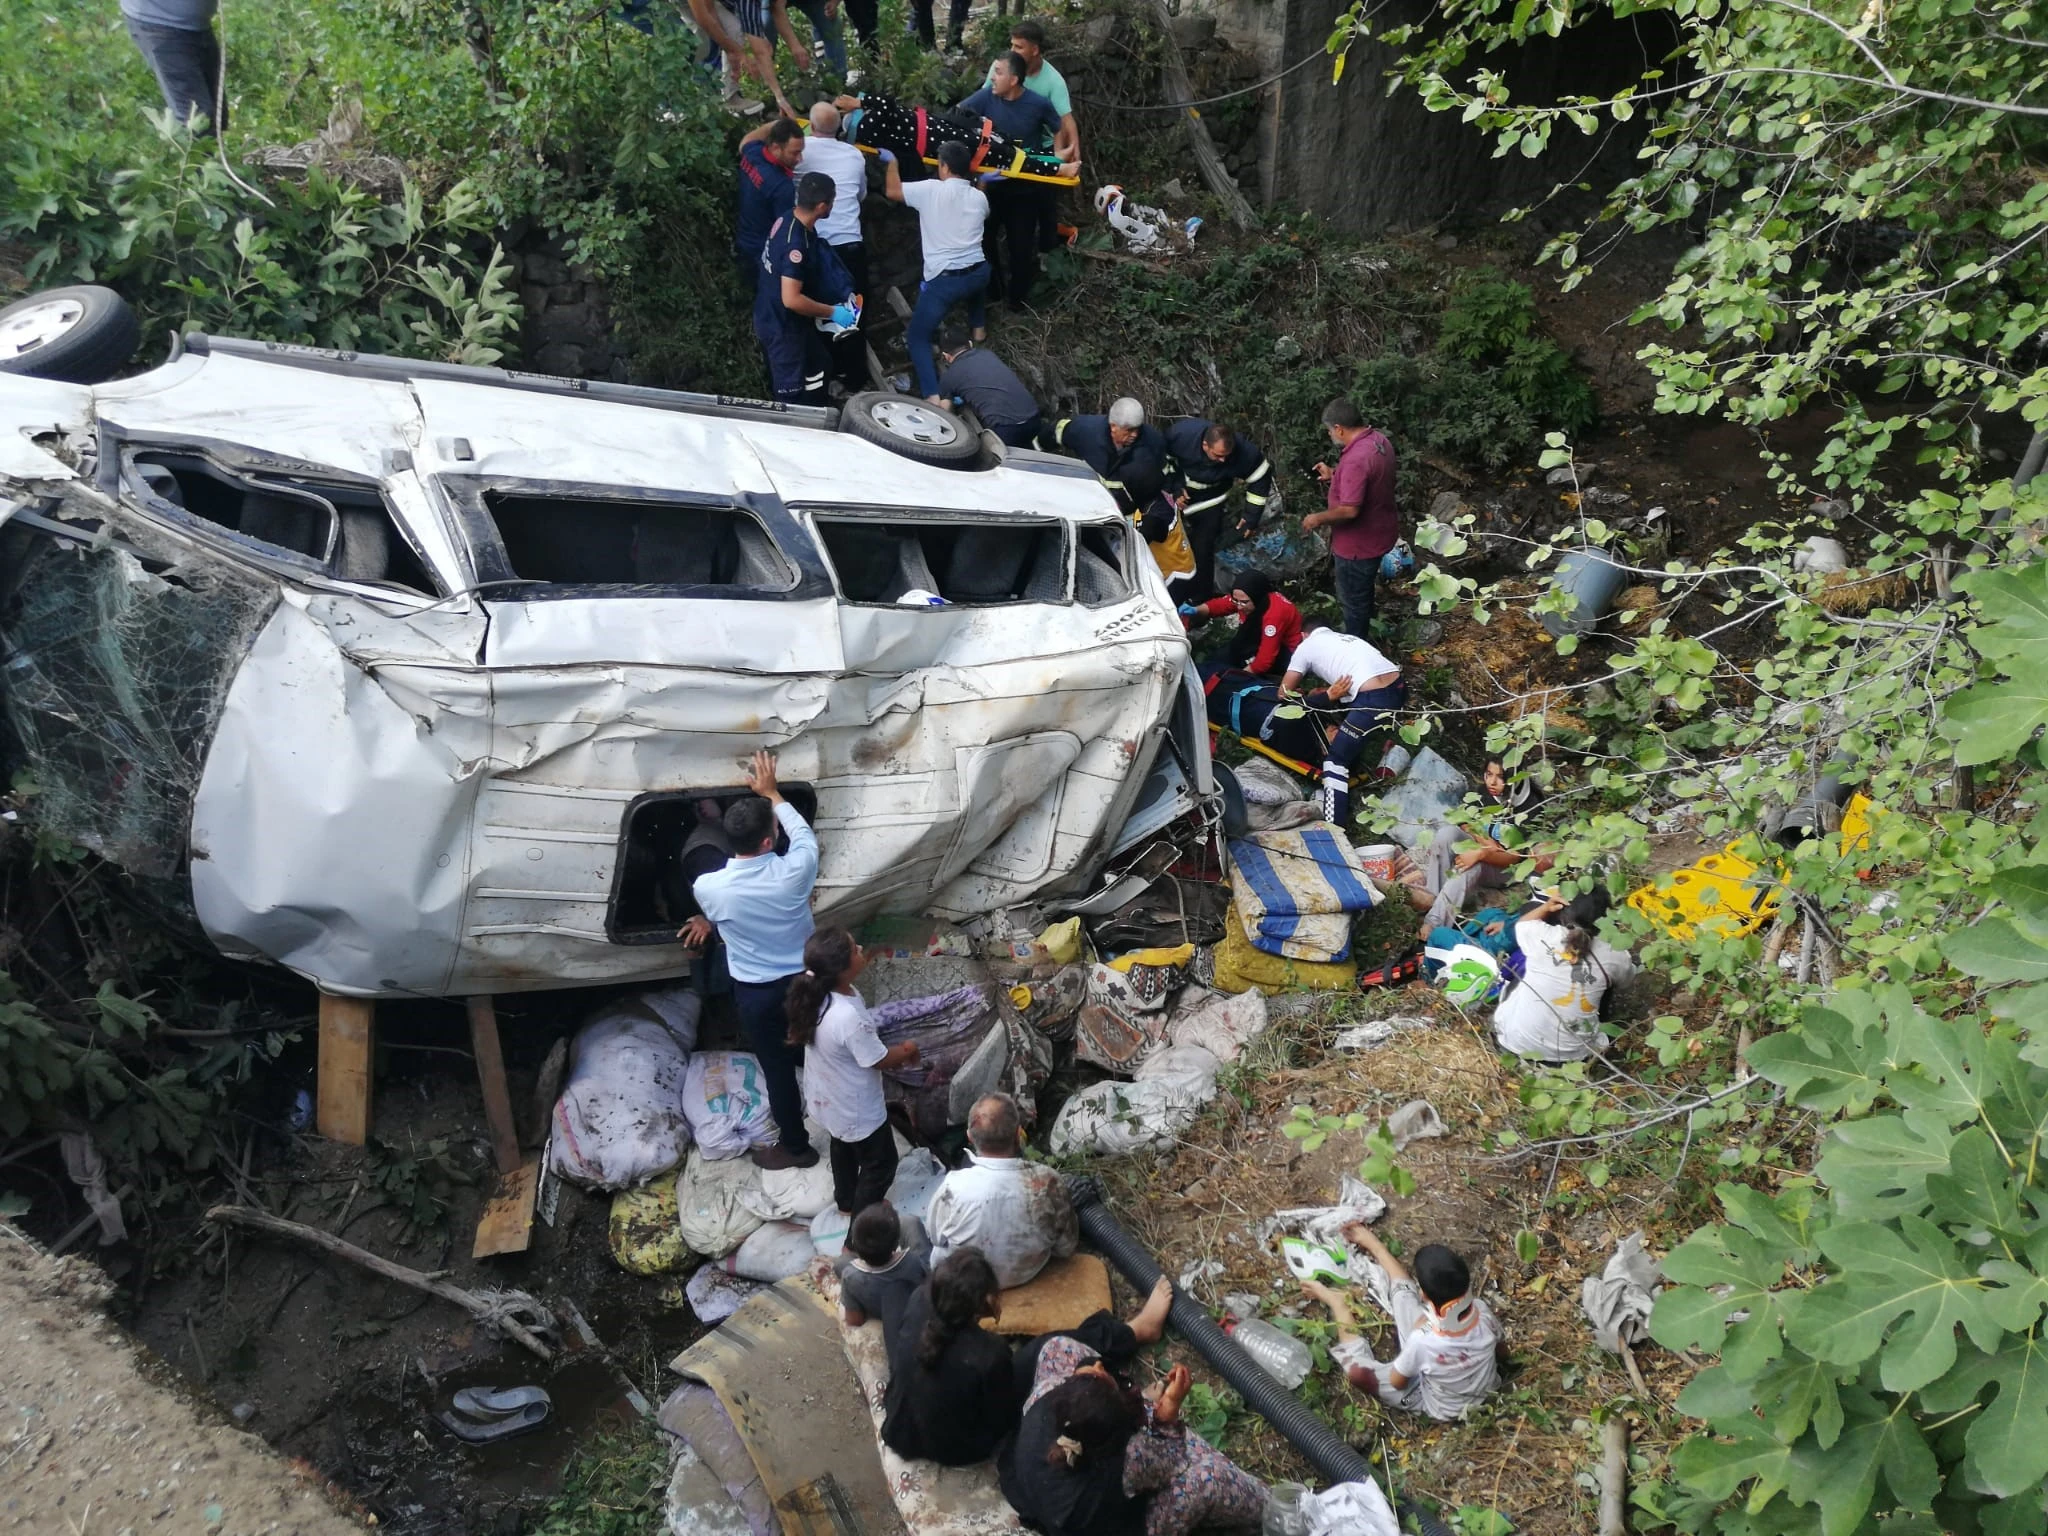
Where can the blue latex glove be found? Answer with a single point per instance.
(1188, 610)
(886, 156)
(845, 316)
(988, 178)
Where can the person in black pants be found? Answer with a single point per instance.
(759, 904)
(1017, 208)
(177, 40)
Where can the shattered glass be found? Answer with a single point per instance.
(113, 672)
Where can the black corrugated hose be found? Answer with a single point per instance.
(1265, 1396)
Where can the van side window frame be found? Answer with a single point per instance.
(465, 495)
(820, 515)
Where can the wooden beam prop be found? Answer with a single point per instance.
(348, 1037)
(507, 1222)
(1179, 92)
(511, 1314)
(490, 1068)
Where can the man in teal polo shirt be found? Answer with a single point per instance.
(1027, 39)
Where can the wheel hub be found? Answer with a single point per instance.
(915, 421)
(36, 325)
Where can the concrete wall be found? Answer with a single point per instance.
(1376, 164)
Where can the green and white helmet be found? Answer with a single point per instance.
(1468, 975)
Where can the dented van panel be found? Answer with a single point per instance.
(460, 644)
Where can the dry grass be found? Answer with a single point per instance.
(1530, 1451)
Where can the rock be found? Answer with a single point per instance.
(1602, 496)
(1193, 30)
(560, 359)
(1099, 30)
(1564, 474)
(1197, 1191)
(565, 293)
(1447, 507)
(566, 323)
(1286, 349)
(1283, 1152)
(242, 1413)
(545, 269)
(1447, 242)
(535, 298)
(1173, 191)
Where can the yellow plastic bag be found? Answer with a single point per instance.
(646, 1230)
(1239, 967)
(1062, 941)
(1180, 954)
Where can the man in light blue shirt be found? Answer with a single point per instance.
(760, 906)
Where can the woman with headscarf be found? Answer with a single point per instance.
(1268, 628)
(1553, 1013)
(1093, 1458)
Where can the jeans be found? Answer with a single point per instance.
(765, 1025)
(956, 22)
(187, 68)
(831, 34)
(962, 285)
(1018, 434)
(1205, 532)
(1347, 744)
(1014, 209)
(863, 1170)
(1355, 594)
(849, 349)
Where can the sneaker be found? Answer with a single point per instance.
(774, 1158)
(740, 106)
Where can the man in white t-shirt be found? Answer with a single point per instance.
(830, 155)
(1361, 688)
(1449, 1358)
(951, 212)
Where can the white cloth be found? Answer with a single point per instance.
(1350, 1509)
(950, 215)
(1329, 654)
(1447, 1372)
(1553, 1013)
(1017, 1213)
(842, 1089)
(848, 168)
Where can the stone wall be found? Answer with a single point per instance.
(568, 329)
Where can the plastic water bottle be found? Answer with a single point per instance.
(1284, 1515)
(1280, 1355)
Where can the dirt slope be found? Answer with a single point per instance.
(91, 1445)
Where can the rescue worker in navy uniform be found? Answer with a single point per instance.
(801, 283)
(767, 186)
(1130, 458)
(1209, 458)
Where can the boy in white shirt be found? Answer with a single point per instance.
(1361, 686)
(1450, 1342)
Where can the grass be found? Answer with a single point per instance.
(616, 1486)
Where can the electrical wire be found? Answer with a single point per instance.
(220, 112)
(1210, 101)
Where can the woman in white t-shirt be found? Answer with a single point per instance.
(844, 1060)
(1553, 1012)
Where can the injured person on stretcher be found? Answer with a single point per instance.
(914, 134)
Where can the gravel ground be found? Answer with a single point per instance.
(92, 1445)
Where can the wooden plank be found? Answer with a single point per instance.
(1178, 93)
(348, 1035)
(490, 1067)
(507, 1222)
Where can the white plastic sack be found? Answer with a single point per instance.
(1266, 783)
(715, 1295)
(1618, 1300)
(1220, 1024)
(1350, 1509)
(1427, 793)
(1122, 1118)
(710, 1212)
(793, 1194)
(621, 1117)
(1325, 1224)
(918, 1175)
(772, 1252)
(725, 1096)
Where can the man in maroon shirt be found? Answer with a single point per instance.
(1361, 514)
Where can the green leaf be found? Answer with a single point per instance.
(2025, 890)
(1878, 1168)
(1716, 1272)
(1842, 1479)
(1788, 1222)
(1996, 950)
(2007, 1442)
(1977, 1193)
(1718, 1467)
(1832, 1060)
(1899, 1295)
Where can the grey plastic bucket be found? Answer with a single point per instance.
(1592, 577)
